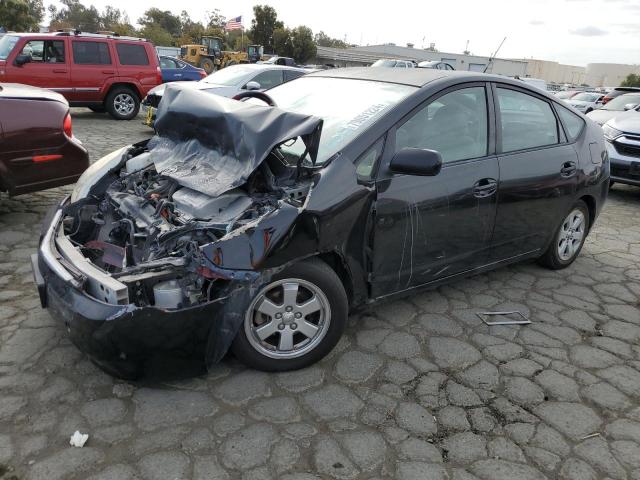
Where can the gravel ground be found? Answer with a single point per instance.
(416, 389)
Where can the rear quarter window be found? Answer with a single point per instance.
(129, 54)
(573, 124)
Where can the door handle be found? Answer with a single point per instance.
(568, 169)
(59, 70)
(109, 72)
(485, 187)
(177, 75)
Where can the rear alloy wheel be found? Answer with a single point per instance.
(122, 103)
(294, 320)
(568, 239)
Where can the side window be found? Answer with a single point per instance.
(269, 79)
(168, 63)
(573, 124)
(527, 121)
(454, 124)
(45, 51)
(129, 54)
(35, 48)
(366, 164)
(291, 75)
(91, 53)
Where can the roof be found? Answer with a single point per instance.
(416, 77)
(79, 35)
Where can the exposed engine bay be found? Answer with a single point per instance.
(146, 230)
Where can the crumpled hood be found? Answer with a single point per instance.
(212, 144)
(602, 116)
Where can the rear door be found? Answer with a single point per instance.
(92, 65)
(427, 228)
(538, 172)
(49, 66)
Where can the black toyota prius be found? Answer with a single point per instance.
(257, 224)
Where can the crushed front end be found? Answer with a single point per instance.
(161, 251)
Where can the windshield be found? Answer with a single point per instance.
(347, 107)
(565, 94)
(587, 97)
(618, 103)
(384, 63)
(6, 45)
(228, 76)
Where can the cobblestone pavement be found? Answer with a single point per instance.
(417, 389)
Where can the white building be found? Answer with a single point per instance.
(608, 74)
(360, 56)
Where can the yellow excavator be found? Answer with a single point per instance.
(210, 56)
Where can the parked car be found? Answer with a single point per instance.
(393, 63)
(37, 146)
(102, 72)
(229, 82)
(436, 64)
(258, 227)
(283, 61)
(615, 107)
(174, 70)
(586, 102)
(566, 94)
(623, 146)
(616, 92)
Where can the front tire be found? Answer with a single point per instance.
(296, 319)
(568, 238)
(122, 103)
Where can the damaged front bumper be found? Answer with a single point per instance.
(124, 339)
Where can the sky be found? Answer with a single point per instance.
(575, 32)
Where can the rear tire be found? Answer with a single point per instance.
(313, 318)
(568, 239)
(122, 103)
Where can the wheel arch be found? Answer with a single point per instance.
(590, 201)
(336, 263)
(131, 86)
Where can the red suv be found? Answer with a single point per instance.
(102, 72)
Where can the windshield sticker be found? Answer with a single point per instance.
(356, 122)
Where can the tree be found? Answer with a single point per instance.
(282, 42)
(21, 15)
(304, 47)
(632, 80)
(75, 15)
(323, 40)
(155, 18)
(157, 35)
(114, 20)
(264, 23)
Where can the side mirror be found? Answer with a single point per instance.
(416, 161)
(252, 86)
(630, 106)
(22, 59)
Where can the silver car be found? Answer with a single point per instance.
(586, 102)
(615, 107)
(228, 82)
(623, 146)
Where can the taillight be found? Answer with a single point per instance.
(203, 74)
(605, 100)
(66, 126)
(159, 75)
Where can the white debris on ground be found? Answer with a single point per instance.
(78, 439)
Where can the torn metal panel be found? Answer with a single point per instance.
(212, 144)
(521, 320)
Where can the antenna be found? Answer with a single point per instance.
(493, 56)
(466, 48)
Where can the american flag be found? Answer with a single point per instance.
(234, 24)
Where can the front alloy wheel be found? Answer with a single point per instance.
(288, 318)
(296, 318)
